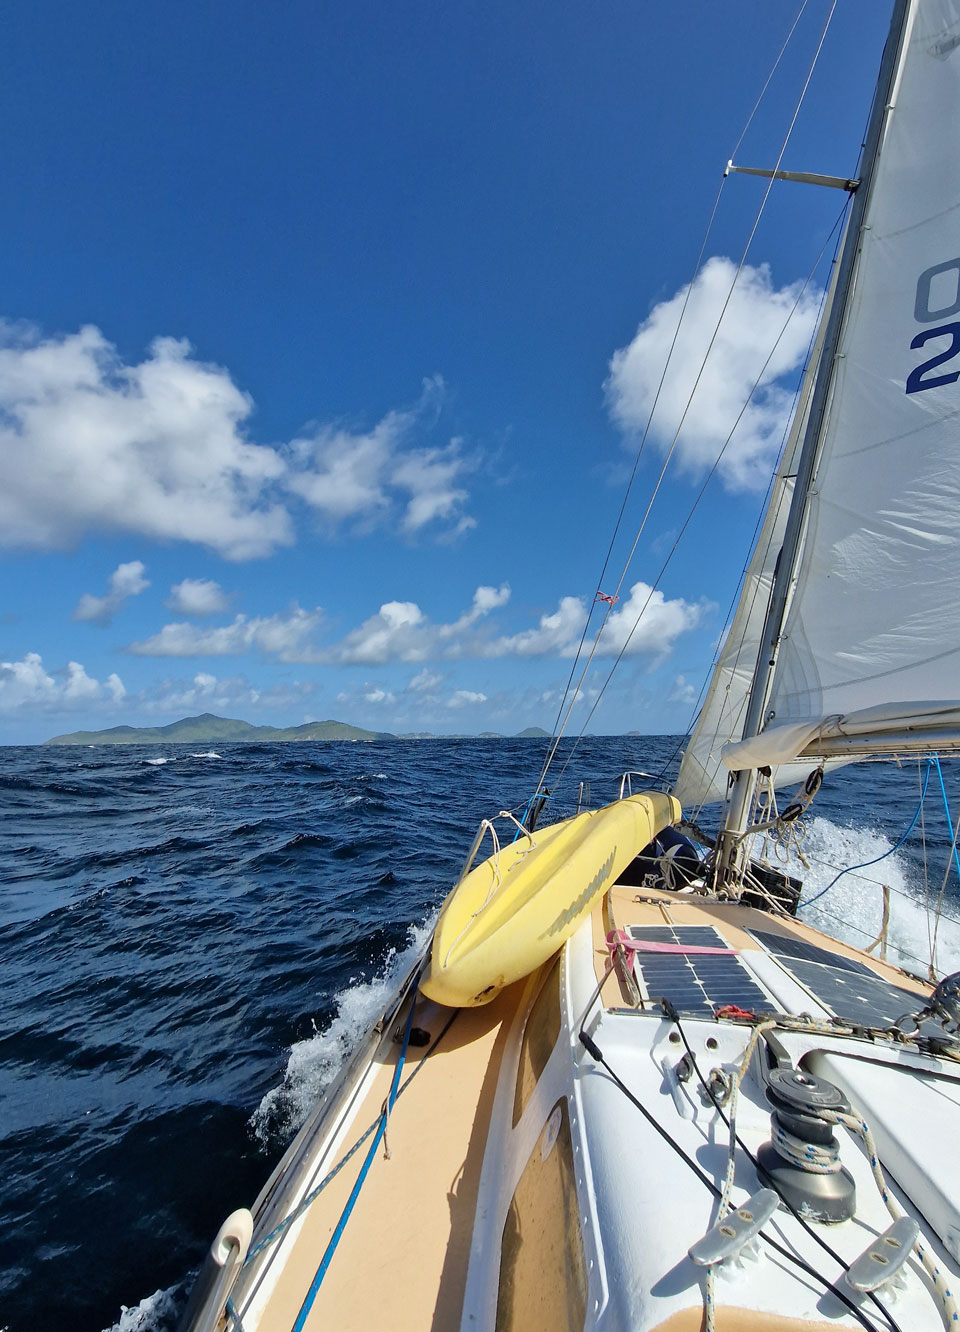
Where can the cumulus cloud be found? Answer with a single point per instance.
(285, 636)
(90, 443)
(400, 631)
(197, 596)
(231, 695)
(346, 475)
(127, 580)
(682, 691)
(646, 623)
(424, 682)
(463, 698)
(748, 332)
(377, 695)
(27, 686)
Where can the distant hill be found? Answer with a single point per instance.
(207, 729)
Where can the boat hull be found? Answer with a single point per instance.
(511, 913)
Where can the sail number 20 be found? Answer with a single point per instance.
(946, 279)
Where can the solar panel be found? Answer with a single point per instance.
(850, 989)
(695, 983)
(867, 1000)
(789, 945)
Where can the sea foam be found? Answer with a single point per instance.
(314, 1063)
(852, 909)
(155, 1313)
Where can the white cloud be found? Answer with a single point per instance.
(26, 685)
(556, 634)
(90, 443)
(285, 635)
(682, 691)
(646, 623)
(127, 580)
(749, 330)
(400, 631)
(424, 682)
(197, 596)
(378, 696)
(206, 693)
(349, 476)
(463, 698)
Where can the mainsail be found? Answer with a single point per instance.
(873, 622)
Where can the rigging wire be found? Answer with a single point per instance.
(670, 452)
(556, 737)
(700, 494)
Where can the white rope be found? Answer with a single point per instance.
(724, 1207)
(856, 1123)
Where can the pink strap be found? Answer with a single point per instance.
(619, 938)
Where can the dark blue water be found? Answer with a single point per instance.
(187, 946)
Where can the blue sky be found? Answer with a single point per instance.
(329, 332)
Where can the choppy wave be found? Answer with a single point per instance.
(313, 1063)
(852, 909)
(190, 953)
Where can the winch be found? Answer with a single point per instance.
(802, 1159)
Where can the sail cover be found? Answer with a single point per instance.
(875, 614)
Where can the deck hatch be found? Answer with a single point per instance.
(695, 983)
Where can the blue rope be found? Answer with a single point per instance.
(913, 823)
(355, 1192)
(946, 810)
(546, 795)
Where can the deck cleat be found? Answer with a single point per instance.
(735, 1236)
(881, 1263)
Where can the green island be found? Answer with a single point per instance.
(207, 729)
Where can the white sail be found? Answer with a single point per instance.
(875, 614)
(703, 777)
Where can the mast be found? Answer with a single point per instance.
(730, 853)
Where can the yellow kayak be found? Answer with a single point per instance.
(512, 912)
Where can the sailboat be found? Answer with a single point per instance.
(625, 1088)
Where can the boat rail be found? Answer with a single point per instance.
(626, 781)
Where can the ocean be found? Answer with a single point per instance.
(192, 940)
